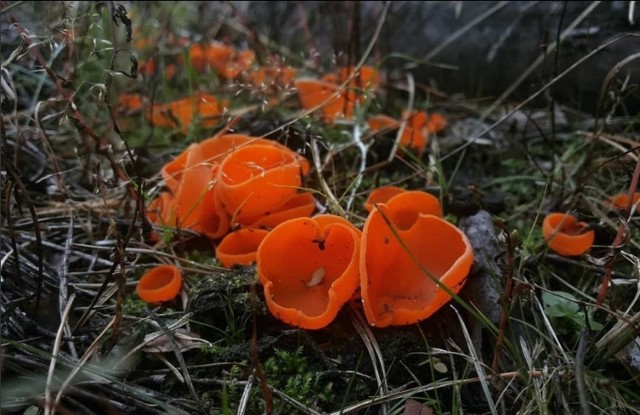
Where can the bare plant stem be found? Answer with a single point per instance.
(506, 303)
(621, 236)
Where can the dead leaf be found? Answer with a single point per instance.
(412, 407)
(161, 344)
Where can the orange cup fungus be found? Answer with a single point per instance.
(315, 93)
(159, 284)
(419, 128)
(621, 201)
(268, 76)
(309, 270)
(225, 60)
(298, 206)
(566, 235)
(182, 113)
(318, 94)
(367, 77)
(398, 282)
(210, 182)
(257, 179)
(381, 195)
(240, 247)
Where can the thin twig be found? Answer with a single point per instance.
(48, 407)
(176, 350)
(63, 284)
(621, 236)
(585, 409)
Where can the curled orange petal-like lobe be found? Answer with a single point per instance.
(240, 247)
(381, 195)
(298, 206)
(256, 179)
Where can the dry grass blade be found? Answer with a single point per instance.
(49, 408)
(91, 350)
(477, 364)
(375, 354)
(176, 350)
(411, 88)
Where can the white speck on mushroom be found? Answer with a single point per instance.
(316, 277)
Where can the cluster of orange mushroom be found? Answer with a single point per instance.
(408, 262)
(420, 126)
(229, 181)
(245, 194)
(327, 94)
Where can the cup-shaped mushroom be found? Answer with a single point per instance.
(214, 220)
(566, 235)
(158, 208)
(367, 77)
(382, 122)
(181, 113)
(398, 280)
(436, 123)
(298, 206)
(318, 94)
(381, 195)
(172, 171)
(240, 247)
(257, 179)
(621, 201)
(159, 284)
(326, 219)
(308, 270)
(218, 147)
(405, 207)
(194, 185)
(215, 54)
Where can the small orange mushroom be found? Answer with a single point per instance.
(159, 284)
(436, 123)
(240, 247)
(308, 270)
(257, 179)
(181, 113)
(405, 207)
(367, 77)
(621, 201)
(317, 94)
(565, 235)
(381, 195)
(398, 280)
(225, 60)
(420, 126)
(266, 77)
